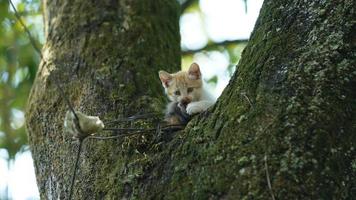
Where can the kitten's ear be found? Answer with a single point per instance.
(165, 78)
(194, 72)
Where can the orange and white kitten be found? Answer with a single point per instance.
(187, 95)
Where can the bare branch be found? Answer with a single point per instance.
(213, 46)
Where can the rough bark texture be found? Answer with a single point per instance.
(298, 72)
(106, 54)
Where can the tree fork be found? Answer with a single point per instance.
(291, 100)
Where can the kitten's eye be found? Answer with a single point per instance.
(190, 90)
(177, 93)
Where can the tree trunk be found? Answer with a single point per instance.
(282, 129)
(106, 55)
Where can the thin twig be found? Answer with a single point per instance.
(115, 136)
(133, 118)
(214, 46)
(164, 128)
(268, 179)
(172, 128)
(126, 129)
(137, 131)
(56, 83)
(75, 168)
(33, 42)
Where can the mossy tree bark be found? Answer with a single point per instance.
(289, 110)
(106, 55)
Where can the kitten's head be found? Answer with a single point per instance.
(184, 86)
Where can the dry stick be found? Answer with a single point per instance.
(268, 179)
(75, 169)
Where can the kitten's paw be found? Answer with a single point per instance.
(193, 109)
(182, 107)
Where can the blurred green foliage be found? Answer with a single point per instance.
(18, 65)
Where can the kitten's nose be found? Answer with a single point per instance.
(185, 101)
